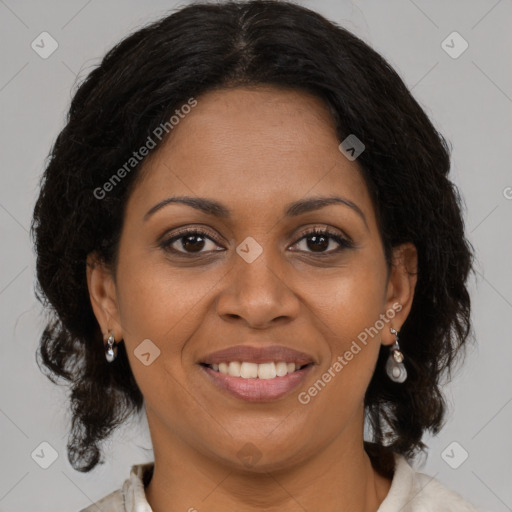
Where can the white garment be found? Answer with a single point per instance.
(410, 491)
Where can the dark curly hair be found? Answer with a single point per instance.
(137, 87)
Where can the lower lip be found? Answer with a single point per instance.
(258, 390)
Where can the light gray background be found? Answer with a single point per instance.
(469, 100)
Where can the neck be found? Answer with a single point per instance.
(339, 478)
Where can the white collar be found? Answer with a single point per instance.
(410, 491)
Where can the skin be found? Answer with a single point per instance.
(255, 150)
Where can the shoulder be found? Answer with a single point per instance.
(412, 491)
(432, 495)
(130, 497)
(113, 502)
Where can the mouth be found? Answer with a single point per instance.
(257, 354)
(253, 382)
(250, 370)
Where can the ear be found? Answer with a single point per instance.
(400, 289)
(103, 295)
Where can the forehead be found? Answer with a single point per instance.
(252, 147)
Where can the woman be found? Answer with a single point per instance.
(246, 230)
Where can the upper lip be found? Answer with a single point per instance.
(250, 354)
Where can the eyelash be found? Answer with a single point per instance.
(344, 243)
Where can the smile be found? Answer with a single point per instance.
(248, 370)
(257, 382)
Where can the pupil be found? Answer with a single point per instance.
(323, 245)
(188, 243)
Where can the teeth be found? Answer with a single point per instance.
(234, 369)
(266, 371)
(282, 368)
(248, 370)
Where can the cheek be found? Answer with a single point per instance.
(351, 298)
(164, 306)
(349, 309)
(157, 301)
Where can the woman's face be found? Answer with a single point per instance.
(255, 277)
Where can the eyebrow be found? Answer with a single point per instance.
(216, 209)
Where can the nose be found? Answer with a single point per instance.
(258, 294)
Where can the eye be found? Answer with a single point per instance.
(319, 240)
(193, 241)
(189, 242)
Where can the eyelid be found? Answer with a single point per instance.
(343, 240)
(191, 229)
(327, 229)
(165, 243)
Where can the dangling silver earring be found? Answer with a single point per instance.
(111, 349)
(395, 367)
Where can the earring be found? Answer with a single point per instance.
(111, 349)
(395, 367)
